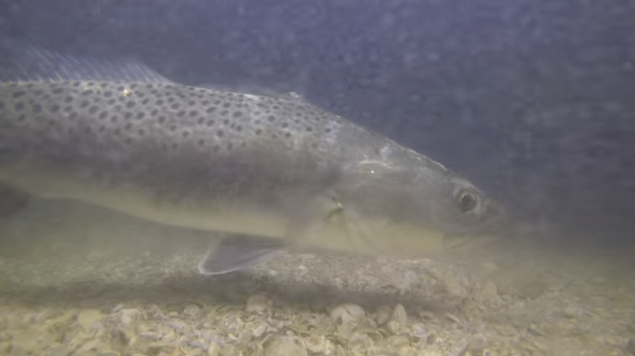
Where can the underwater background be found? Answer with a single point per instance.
(532, 101)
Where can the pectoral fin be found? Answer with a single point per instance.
(237, 252)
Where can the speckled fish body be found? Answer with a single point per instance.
(264, 168)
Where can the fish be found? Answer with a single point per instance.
(272, 173)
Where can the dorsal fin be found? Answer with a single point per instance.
(21, 62)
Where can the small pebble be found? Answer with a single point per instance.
(128, 316)
(383, 315)
(316, 344)
(347, 313)
(88, 318)
(192, 311)
(360, 341)
(284, 346)
(258, 304)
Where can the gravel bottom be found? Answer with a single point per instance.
(81, 281)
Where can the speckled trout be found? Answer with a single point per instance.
(271, 172)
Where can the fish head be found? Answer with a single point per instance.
(412, 208)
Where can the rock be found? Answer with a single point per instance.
(192, 311)
(284, 346)
(347, 313)
(88, 318)
(258, 304)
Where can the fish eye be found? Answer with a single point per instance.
(466, 201)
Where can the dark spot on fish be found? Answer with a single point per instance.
(38, 92)
(161, 119)
(200, 142)
(121, 88)
(159, 102)
(145, 101)
(210, 123)
(220, 133)
(193, 113)
(191, 103)
(185, 134)
(102, 115)
(238, 114)
(73, 116)
(171, 99)
(68, 99)
(114, 119)
(84, 104)
(180, 113)
(19, 106)
(141, 132)
(210, 110)
(176, 106)
(216, 148)
(173, 128)
(327, 130)
(117, 132)
(128, 140)
(127, 126)
(224, 113)
(127, 115)
(175, 145)
(87, 92)
(239, 128)
(258, 131)
(154, 112)
(54, 108)
(226, 122)
(205, 102)
(37, 108)
(226, 105)
(2, 105)
(130, 104)
(134, 86)
(88, 130)
(230, 146)
(287, 135)
(200, 120)
(57, 90)
(21, 117)
(271, 118)
(141, 115)
(108, 94)
(285, 125)
(112, 101)
(102, 128)
(309, 129)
